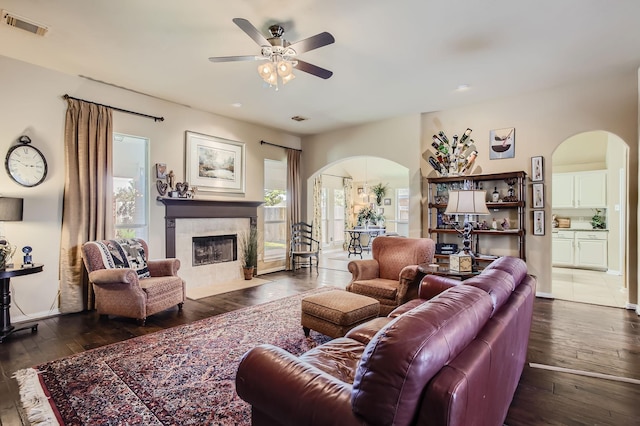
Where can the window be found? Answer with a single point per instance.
(130, 186)
(402, 201)
(275, 210)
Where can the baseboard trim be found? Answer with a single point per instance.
(35, 316)
(545, 295)
(585, 373)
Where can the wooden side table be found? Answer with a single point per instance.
(432, 269)
(6, 329)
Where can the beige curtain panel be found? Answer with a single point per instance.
(86, 211)
(294, 187)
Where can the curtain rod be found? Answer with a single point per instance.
(343, 177)
(279, 146)
(116, 109)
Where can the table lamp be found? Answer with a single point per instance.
(10, 210)
(467, 202)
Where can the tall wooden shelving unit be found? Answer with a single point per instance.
(437, 203)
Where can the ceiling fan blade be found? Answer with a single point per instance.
(235, 58)
(251, 31)
(313, 69)
(314, 42)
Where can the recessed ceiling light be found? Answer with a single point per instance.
(462, 87)
(236, 104)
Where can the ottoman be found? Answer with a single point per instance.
(335, 312)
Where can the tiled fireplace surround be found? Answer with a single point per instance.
(188, 218)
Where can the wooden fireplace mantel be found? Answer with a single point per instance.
(189, 208)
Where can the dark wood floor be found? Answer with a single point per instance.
(564, 334)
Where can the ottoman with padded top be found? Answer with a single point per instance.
(335, 312)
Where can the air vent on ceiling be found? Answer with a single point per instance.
(298, 118)
(23, 23)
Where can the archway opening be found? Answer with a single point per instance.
(347, 187)
(589, 219)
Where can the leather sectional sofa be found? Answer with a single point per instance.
(452, 357)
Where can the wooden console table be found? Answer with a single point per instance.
(6, 329)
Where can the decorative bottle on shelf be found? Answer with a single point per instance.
(495, 195)
(465, 136)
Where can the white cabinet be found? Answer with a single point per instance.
(591, 250)
(562, 190)
(583, 249)
(562, 248)
(579, 190)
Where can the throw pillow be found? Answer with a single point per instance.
(135, 256)
(124, 253)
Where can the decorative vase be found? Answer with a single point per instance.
(248, 272)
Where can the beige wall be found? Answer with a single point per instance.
(31, 104)
(396, 139)
(543, 120)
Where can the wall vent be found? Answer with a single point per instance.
(16, 21)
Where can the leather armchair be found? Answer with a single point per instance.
(127, 284)
(392, 276)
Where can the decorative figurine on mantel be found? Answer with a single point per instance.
(505, 224)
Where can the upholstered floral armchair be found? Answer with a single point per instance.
(127, 284)
(392, 276)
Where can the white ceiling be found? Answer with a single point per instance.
(389, 58)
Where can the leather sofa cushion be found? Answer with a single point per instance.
(499, 284)
(363, 333)
(420, 342)
(339, 358)
(515, 266)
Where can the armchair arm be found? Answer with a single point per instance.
(114, 276)
(282, 387)
(366, 269)
(163, 267)
(432, 285)
(409, 281)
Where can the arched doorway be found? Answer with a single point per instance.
(335, 209)
(588, 263)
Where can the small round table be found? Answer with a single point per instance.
(6, 329)
(431, 269)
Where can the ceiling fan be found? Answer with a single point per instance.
(280, 55)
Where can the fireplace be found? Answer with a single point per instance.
(187, 220)
(214, 249)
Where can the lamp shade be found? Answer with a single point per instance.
(10, 209)
(467, 202)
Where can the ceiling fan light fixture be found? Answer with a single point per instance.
(288, 78)
(285, 69)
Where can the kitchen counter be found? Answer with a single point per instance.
(579, 230)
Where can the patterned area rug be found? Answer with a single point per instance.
(179, 376)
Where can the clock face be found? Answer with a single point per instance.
(26, 165)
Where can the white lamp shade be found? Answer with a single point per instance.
(467, 202)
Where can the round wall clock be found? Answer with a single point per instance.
(25, 164)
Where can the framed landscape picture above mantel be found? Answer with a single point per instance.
(214, 164)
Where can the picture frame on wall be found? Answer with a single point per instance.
(537, 169)
(387, 201)
(538, 195)
(502, 143)
(161, 170)
(538, 222)
(214, 164)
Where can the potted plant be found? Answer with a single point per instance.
(379, 191)
(366, 216)
(249, 252)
